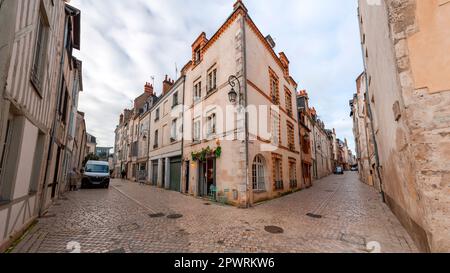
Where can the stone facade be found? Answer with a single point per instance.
(237, 158)
(409, 94)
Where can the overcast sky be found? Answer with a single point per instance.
(126, 42)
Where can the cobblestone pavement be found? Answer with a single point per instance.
(122, 219)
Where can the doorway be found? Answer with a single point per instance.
(207, 177)
(186, 175)
(175, 174)
(55, 176)
(154, 181)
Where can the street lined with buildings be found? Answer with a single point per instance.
(229, 156)
(126, 219)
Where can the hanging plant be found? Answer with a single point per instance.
(205, 153)
(218, 152)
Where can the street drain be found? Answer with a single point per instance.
(157, 215)
(312, 215)
(174, 216)
(129, 227)
(116, 251)
(274, 229)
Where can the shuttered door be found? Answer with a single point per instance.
(175, 174)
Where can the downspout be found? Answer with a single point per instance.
(182, 131)
(369, 109)
(244, 44)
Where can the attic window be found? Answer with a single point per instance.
(197, 55)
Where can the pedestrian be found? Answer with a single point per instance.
(74, 176)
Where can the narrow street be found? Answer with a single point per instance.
(125, 219)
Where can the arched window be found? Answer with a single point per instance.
(259, 174)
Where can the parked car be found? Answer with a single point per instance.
(339, 170)
(96, 173)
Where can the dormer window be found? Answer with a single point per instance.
(197, 55)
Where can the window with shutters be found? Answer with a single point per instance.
(38, 68)
(278, 172)
(291, 136)
(289, 103)
(274, 88)
(275, 128)
(293, 174)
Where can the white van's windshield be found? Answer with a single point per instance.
(92, 168)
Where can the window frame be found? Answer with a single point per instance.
(212, 80)
(173, 131)
(157, 114)
(197, 91)
(38, 70)
(278, 173)
(276, 128)
(156, 140)
(196, 131)
(259, 181)
(211, 124)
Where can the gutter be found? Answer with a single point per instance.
(182, 131)
(246, 112)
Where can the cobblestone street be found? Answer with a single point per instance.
(124, 219)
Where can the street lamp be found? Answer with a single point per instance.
(232, 95)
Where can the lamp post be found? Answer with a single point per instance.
(232, 95)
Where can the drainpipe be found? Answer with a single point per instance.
(182, 134)
(369, 108)
(244, 19)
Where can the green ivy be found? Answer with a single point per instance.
(203, 154)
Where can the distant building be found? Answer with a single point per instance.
(103, 152)
(91, 144)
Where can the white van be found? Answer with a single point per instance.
(96, 173)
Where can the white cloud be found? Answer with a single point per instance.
(124, 43)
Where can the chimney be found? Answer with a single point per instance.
(167, 85)
(121, 119)
(148, 88)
